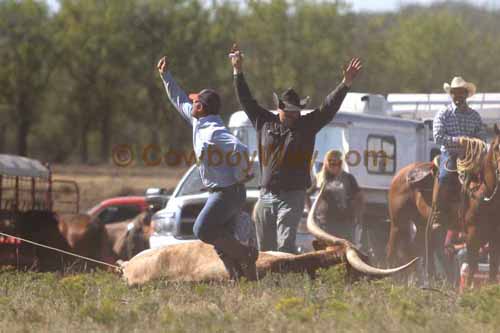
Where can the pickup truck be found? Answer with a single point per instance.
(174, 223)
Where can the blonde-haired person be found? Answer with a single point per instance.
(340, 209)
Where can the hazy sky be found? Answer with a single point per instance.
(385, 5)
(392, 5)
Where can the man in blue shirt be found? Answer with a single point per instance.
(451, 125)
(224, 178)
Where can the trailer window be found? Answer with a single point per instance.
(380, 154)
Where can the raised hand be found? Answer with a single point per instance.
(163, 65)
(236, 58)
(351, 71)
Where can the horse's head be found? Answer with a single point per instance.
(494, 149)
(491, 165)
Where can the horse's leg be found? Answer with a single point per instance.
(392, 243)
(494, 251)
(473, 245)
(399, 234)
(438, 260)
(427, 239)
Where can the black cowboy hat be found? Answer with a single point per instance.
(290, 101)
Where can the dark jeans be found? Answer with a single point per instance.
(220, 213)
(450, 161)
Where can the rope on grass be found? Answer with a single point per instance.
(62, 251)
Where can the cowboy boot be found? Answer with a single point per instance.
(243, 257)
(231, 265)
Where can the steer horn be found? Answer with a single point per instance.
(352, 255)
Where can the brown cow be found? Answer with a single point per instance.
(127, 242)
(44, 228)
(86, 238)
(198, 261)
(72, 233)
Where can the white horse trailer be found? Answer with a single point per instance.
(423, 107)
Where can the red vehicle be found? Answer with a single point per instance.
(118, 209)
(123, 208)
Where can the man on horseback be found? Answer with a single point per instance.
(452, 126)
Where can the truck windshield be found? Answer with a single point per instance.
(193, 185)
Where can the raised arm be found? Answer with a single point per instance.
(175, 94)
(253, 110)
(333, 101)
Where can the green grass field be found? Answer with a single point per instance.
(101, 302)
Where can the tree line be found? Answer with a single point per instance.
(77, 80)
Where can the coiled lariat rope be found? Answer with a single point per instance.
(62, 251)
(470, 163)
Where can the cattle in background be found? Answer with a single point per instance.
(75, 233)
(129, 237)
(71, 233)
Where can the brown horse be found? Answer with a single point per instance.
(412, 202)
(487, 226)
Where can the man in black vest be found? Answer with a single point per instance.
(286, 144)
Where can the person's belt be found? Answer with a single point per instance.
(221, 189)
(276, 188)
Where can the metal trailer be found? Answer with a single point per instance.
(27, 185)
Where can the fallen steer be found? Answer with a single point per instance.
(198, 261)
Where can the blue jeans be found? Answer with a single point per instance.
(220, 213)
(450, 161)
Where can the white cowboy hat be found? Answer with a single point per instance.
(459, 82)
